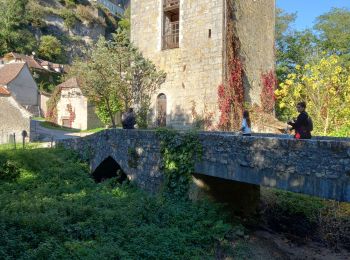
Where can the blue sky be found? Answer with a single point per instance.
(308, 10)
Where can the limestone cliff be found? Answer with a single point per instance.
(76, 23)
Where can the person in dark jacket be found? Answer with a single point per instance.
(129, 119)
(302, 124)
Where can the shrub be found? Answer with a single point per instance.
(8, 170)
(69, 17)
(56, 211)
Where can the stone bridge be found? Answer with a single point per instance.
(319, 167)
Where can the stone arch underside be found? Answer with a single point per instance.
(109, 168)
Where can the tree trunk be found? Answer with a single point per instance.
(326, 124)
(110, 113)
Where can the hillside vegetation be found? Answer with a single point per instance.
(55, 30)
(51, 208)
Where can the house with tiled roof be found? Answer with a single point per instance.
(33, 62)
(70, 108)
(17, 79)
(18, 100)
(45, 73)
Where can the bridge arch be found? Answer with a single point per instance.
(109, 168)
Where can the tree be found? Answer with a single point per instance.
(13, 33)
(325, 86)
(334, 29)
(115, 76)
(293, 47)
(50, 48)
(145, 80)
(334, 33)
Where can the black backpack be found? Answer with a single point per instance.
(310, 124)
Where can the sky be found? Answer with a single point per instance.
(308, 10)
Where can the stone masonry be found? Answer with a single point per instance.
(198, 66)
(319, 167)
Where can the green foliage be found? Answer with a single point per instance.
(103, 111)
(70, 18)
(115, 76)
(179, 153)
(334, 30)
(51, 104)
(8, 170)
(55, 211)
(50, 48)
(14, 35)
(124, 23)
(294, 204)
(325, 86)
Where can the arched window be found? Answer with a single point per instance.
(161, 110)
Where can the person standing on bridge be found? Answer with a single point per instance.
(129, 119)
(303, 124)
(246, 124)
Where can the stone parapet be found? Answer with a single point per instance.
(319, 167)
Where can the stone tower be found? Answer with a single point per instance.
(193, 42)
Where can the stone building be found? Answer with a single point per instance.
(194, 43)
(73, 108)
(18, 98)
(17, 79)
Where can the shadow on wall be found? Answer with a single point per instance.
(107, 169)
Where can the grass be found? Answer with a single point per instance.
(52, 126)
(52, 209)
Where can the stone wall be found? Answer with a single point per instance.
(198, 66)
(72, 105)
(319, 167)
(195, 69)
(24, 88)
(254, 22)
(13, 119)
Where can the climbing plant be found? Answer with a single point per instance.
(267, 96)
(51, 114)
(231, 97)
(179, 153)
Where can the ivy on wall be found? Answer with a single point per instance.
(231, 92)
(179, 153)
(51, 114)
(267, 96)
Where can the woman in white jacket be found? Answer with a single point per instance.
(246, 124)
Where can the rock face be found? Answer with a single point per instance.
(75, 26)
(318, 167)
(190, 41)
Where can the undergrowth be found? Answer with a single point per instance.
(53, 209)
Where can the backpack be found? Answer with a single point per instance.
(310, 124)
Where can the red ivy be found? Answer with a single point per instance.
(267, 96)
(71, 114)
(231, 98)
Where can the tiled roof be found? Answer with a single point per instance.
(32, 63)
(4, 91)
(70, 83)
(9, 72)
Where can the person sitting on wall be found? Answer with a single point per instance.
(129, 119)
(246, 124)
(303, 124)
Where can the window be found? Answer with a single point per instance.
(161, 110)
(171, 16)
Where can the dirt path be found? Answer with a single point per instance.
(270, 245)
